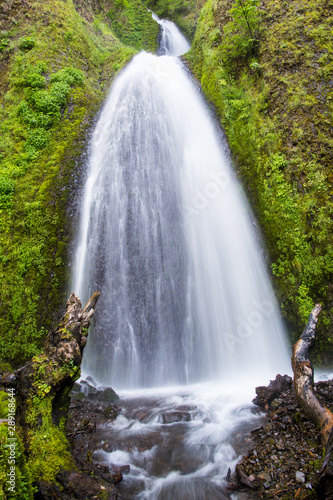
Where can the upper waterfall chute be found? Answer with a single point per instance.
(172, 41)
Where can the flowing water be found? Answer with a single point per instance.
(167, 237)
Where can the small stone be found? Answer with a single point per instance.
(308, 486)
(77, 396)
(300, 477)
(280, 446)
(264, 476)
(111, 412)
(251, 477)
(176, 416)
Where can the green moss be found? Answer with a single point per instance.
(52, 92)
(276, 110)
(49, 453)
(133, 24)
(3, 404)
(23, 484)
(45, 437)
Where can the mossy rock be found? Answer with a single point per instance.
(3, 404)
(107, 395)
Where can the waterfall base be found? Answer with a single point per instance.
(176, 443)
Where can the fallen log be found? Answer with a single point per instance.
(308, 399)
(42, 387)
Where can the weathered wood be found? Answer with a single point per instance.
(42, 385)
(303, 379)
(308, 399)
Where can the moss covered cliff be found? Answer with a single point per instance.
(267, 68)
(57, 59)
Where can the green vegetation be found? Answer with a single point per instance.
(271, 87)
(184, 13)
(22, 474)
(133, 24)
(241, 34)
(23, 488)
(48, 447)
(55, 70)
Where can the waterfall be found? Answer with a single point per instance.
(172, 41)
(168, 239)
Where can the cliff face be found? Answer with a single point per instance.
(57, 59)
(267, 68)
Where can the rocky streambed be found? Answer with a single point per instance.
(285, 458)
(282, 454)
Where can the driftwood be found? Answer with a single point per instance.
(307, 398)
(42, 386)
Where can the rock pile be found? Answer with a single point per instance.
(286, 456)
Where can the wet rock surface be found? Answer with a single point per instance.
(283, 461)
(286, 457)
(92, 480)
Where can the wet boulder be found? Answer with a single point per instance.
(172, 417)
(91, 381)
(107, 395)
(265, 395)
(90, 391)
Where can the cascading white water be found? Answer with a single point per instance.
(172, 41)
(167, 237)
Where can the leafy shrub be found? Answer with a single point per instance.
(38, 138)
(27, 44)
(4, 42)
(7, 187)
(50, 101)
(33, 77)
(35, 80)
(70, 76)
(42, 107)
(241, 33)
(35, 118)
